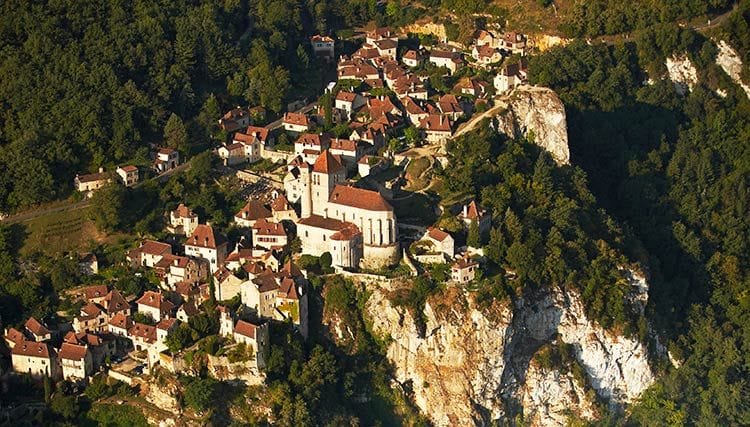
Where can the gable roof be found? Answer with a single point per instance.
(313, 139)
(114, 302)
(32, 349)
(121, 321)
(280, 203)
(140, 330)
(298, 119)
(436, 123)
(437, 234)
(359, 198)
(266, 228)
(327, 163)
(203, 236)
(183, 211)
(155, 300)
(152, 247)
(14, 335)
(253, 210)
(36, 327)
(246, 329)
(72, 351)
(346, 96)
(96, 291)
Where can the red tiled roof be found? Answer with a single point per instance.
(14, 335)
(253, 210)
(343, 144)
(290, 269)
(288, 289)
(317, 140)
(146, 332)
(96, 291)
(155, 300)
(90, 310)
(298, 119)
(264, 227)
(71, 337)
(32, 349)
(254, 268)
(91, 177)
(436, 123)
(129, 168)
(121, 321)
(73, 351)
(472, 210)
(153, 247)
(190, 308)
(245, 329)
(203, 236)
(280, 203)
(183, 211)
(386, 44)
(186, 289)
(346, 96)
(348, 232)
(464, 262)
(359, 198)
(166, 324)
(114, 302)
(327, 163)
(437, 234)
(35, 327)
(266, 281)
(166, 150)
(318, 221)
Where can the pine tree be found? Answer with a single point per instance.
(474, 239)
(175, 134)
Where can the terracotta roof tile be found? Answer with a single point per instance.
(73, 351)
(96, 291)
(36, 327)
(359, 198)
(246, 329)
(253, 210)
(327, 163)
(32, 349)
(266, 228)
(203, 236)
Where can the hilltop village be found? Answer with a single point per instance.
(323, 203)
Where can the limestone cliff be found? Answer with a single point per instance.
(729, 61)
(474, 365)
(540, 111)
(682, 72)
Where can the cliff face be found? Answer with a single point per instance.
(538, 110)
(682, 72)
(729, 61)
(475, 365)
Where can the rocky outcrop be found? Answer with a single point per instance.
(541, 112)
(682, 72)
(473, 366)
(550, 396)
(729, 61)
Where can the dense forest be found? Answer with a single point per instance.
(675, 172)
(94, 84)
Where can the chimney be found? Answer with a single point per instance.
(175, 261)
(465, 210)
(101, 170)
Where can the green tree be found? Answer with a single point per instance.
(64, 406)
(175, 134)
(108, 207)
(474, 239)
(199, 393)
